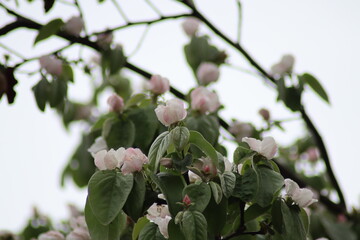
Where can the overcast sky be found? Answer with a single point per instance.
(323, 35)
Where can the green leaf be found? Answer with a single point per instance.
(135, 100)
(180, 137)
(194, 225)
(276, 214)
(41, 92)
(199, 194)
(337, 231)
(291, 96)
(48, 4)
(174, 231)
(206, 125)
(216, 191)
(49, 29)
(227, 180)
(199, 141)
(113, 60)
(269, 183)
(118, 133)
(294, 228)
(246, 185)
(107, 193)
(242, 153)
(58, 92)
(172, 186)
(216, 214)
(139, 225)
(158, 149)
(134, 204)
(146, 123)
(199, 50)
(99, 231)
(255, 211)
(150, 232)
(67, 74)
(315, 85)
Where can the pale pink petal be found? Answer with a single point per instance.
(99, 159)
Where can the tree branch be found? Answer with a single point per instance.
(30, 24)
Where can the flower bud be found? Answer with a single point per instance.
(51, 235)
(74, 26)
(208, 166)
(207, 72)
(265, 114)
(134, 159)
(285, 65)
(193, 177)
(241, 130)
(116, 103)
(158, 84)
(191, 26)
(166, 162)
(313, 154)
(187, 200)
(174, 111)
(51, 65)
(204, 100)
(104, 39)
(267, 147)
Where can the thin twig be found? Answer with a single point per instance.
(154, 7)
(138, 45)
(122, 13)
(10, 50)
(239, 20)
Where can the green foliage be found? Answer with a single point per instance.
(228, 180)
(107, 194)
(41, 93)
(199, 141)
(310, 80)
(134, 203)
(49, 29)
(150, 232)
(158, 149)
(216, 191)
(291, 96)
(199, 194)
(139, 225)
(118, 133)
(194, 225)
(242, 153)
(180, 137)
(112, 60)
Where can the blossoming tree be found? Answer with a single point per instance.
(156, 167)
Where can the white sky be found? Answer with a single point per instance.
(323, 35)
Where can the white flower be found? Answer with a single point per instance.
(51, 235)
(79, 234)
(204, 100)
(159, 84)
(193, 177)
(174, 111)
(116, 103)
(285, 65)
(207, 72)
(191, 26)
(267, 147)
(98, 145)
(133, 160)
(109, 159)
(51, 64)
(302, 196)
(160, 215)
(74, 26)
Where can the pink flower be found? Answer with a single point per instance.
(74, 26)
(241, 130)
(207, 72)
(108, 160)
(204, 100)
(313, 154)
(159, 84)
(51, 235)
(285, 65)
(267, 147)
(302, 196)
(174, 111)
(134, 159)
(191, 26)
(116, 103)
(104, 39)
(187, 200)
(51, 65)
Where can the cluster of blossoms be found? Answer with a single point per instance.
(128, 160)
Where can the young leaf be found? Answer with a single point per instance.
(118, 133)
(246, 185)
(216, 191)
(199, 141)
(194, 225)
(48, 4)
(107, 193)
(315, 85)
(242, 153)
(157, 150)
(41, 92)
(227, 181)
(49, 29)
(180, 137)
(134, 204)
(199, 194)
(67, 73)
(58, 92)
(139, 225)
